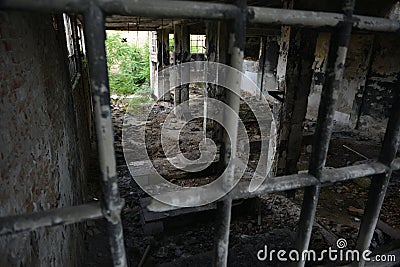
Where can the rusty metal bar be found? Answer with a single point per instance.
(221, 246)
(204, 10)
(68, 6)
(277, 16)
(335, 68)
(62, 216)
(75, 39)
(69, 215)
(376, 24)
(237, 39)
(379, 183)
(294, 181)
(328, 176)
(112, 203)
(111, 206)
(170, 9)
(148, 8)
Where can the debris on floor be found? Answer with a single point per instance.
(274, 222)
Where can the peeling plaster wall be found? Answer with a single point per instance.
(319, 66)
(356, 69)
(40, 154)
(250, 69)
(353, 83)
(370, 81)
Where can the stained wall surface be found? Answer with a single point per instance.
(40, 156)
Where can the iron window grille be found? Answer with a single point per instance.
(110, 207)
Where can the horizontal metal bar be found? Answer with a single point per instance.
(62, 216)
(206, 10)
(69, 6)
(277, 16)
(380, 183)
(376, 24)
(170, 9)
(294, 181)
(74, 214)
(148, 8)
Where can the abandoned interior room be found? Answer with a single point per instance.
(248, 133)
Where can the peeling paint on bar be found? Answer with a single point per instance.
(112, 203)
(276, 16)
(46, 5)
(237, 39)
(94, 31)
(201, 10)
(294, 181)
(294, 17)
(170, 9)
(63, 216)
(380, 183)
(334, 75)
(376, 24)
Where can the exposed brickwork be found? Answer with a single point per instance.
(40, 154)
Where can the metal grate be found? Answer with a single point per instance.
(238, 13)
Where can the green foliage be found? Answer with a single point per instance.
(171, 42)
(144, 95)
(128, 66)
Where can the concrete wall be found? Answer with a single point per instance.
(251, 70)
(356, 69)
(357, 65)
(321, 53)
(40, 155)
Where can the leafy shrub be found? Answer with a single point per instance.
(128, 66)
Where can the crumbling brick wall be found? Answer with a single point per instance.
(40, 154)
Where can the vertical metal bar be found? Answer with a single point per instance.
(334, 74)
(177, 60)
(263, 51)
(112, 203)
(165, 64)
(185, 73)
(237, 38)
(222, 233)
(380, 182)
(77, 54)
